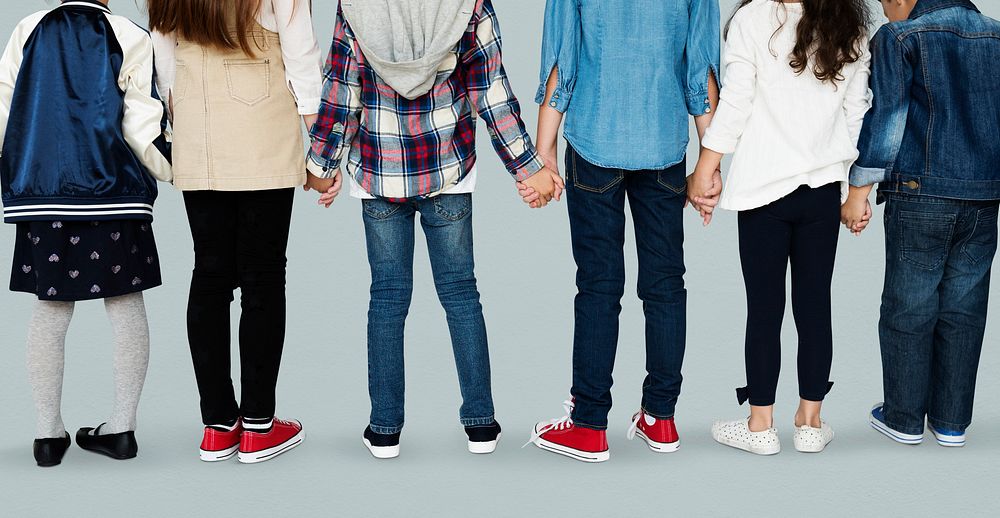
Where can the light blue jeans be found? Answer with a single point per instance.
(389, 229)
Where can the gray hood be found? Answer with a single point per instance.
(406, 41)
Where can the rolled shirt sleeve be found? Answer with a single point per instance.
(300, 52)
(561, 39)
(701, 53)
(737, 96)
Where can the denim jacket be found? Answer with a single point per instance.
(934, 127)
(630, 75)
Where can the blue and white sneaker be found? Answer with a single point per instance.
(950, 438)
(877, 420)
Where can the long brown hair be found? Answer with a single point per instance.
(206, 22)
(829, 36)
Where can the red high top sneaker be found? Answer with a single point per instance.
(220, 443)
(576, 442)
(265, 445)
(660, 434)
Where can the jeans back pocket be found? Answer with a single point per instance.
(982, 244)
(249, 80)
(379, 209)
(452, 207)
(590, 177)
(925, 237)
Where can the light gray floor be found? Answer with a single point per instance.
(526, 277)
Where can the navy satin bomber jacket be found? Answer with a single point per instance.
(82, 128)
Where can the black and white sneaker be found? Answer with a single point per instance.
(382, 446)
(484, 438)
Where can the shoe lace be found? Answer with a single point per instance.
(560, 423)
(635, 425)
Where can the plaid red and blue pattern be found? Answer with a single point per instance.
(404, 149)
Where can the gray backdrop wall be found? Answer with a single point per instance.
(526, 277)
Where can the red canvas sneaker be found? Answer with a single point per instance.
(260, 446)
(576, 442)
(220, 443)
(660, 434)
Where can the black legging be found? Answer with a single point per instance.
(239, 242)
(804, 227)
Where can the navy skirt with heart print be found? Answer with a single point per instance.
(83, 260)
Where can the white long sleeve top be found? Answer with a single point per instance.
(303, 61)
(784, 129)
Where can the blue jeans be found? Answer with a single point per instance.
(389, 229)
(596, 201)
(937, 285)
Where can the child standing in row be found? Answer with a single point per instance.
(83, 142)
(931, 143)
(240, 75)
(795, 95)
(404, 82)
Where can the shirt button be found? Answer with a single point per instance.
(552, 104)
(706, 101)
(708, 110)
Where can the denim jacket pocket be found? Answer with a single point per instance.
(453, 207)
(589, 177)
(925, 237)
(674, 178)
(379, 209)
(982, 244)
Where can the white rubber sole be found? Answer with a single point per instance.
(948, 441)
(573, 453)
(773, 450)
(483, 448)
(218, 456)
(270, 453)
(901, 438)
(381, 452)
(658, 447)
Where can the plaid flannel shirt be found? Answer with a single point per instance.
(403, 149)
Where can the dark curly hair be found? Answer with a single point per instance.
(828, 37)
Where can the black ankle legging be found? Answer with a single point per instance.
(802, 227)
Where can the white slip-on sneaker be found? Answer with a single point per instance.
(812, 440)
(737, 434)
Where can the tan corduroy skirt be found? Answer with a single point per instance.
(236, 125)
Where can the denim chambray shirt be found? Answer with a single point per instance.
(934, 126)
(630, 72)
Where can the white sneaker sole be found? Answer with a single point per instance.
(218, 456)
(381, 452)
(773, 450)
(658, 447)
(573, 453)
(901, 438)
(272, 452)
(485, 447)
(949, 441)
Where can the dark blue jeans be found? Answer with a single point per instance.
(937, 283)
(596, 200)
(389, 229)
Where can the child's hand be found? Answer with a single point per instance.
(704, 189)
(326, 198)
(318, 184)
(538, 190)
(856, 213)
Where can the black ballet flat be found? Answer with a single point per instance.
(119, 446)
(50, 452)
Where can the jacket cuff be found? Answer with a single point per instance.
(320, 167)
(559, 101)
(865, 176)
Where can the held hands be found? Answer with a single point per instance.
(328, 188)
(541, 188)
(704, 190)
(856, 212)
